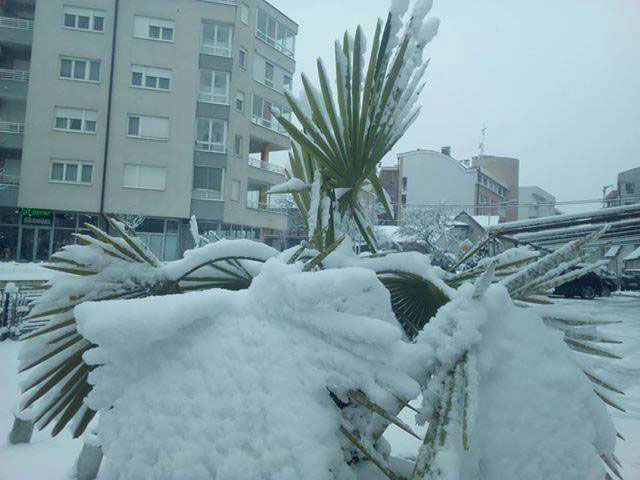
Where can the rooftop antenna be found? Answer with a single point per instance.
(482, 142)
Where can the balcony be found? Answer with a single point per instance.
(16, 32)
(209, 195)
(269, 167)
(265, 206)
(11, 135)
(9, 180)
(13, 83)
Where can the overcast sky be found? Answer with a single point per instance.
(557, 82)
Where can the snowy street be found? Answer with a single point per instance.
(53, 459)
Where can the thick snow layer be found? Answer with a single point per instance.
(291, 185)
(633, 255)
(13, 272)
(234, 385)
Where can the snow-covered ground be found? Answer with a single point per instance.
(23, 272)
(53, 459)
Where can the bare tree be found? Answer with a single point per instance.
(431, 226)
(131, 220)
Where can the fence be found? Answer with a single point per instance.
(12, 127)
(12, 22)
(16, 304)
(17, 75)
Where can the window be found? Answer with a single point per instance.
(404, 183)
(216, 39)
(214, 87)
(142, 176)
(208, 183)
(237, 146)
(268, 74)
(235, 190)
(83, 19)
(287, 82)
(240, 102)
(244, 13)
(242, 57)
(80, 69)
(262, 114)
(153, 28)
(71, 172)
(211, 134)
(275, 34)
(630, 187)
(149, 77)
(75, 120)
(154, 128)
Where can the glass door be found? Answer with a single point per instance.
(42, 244)
(26, 244)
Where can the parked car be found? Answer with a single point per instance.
(610, 282)
(630, 279)
(587, 286)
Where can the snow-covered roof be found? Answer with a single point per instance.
(486, 220)
(633, 255)
(613, 251)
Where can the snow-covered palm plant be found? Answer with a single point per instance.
(242, 362)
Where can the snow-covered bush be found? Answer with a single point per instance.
(241, 362)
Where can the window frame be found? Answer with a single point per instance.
(243, 101)
(80, 165)
(156, 25)
(210, 97)
(205, 193)
(245, 18)
(275, 42)
(238, 144)
(137, 186)
(144, 74)
(242, 53)
(92, 14)
(199, 143)
(214, 49)
(83, 120)
(140, 118)
(74, 60)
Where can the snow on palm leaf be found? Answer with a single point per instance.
(349, 132)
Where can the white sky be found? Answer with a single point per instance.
(557, 82)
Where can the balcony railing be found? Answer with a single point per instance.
(272, 125)
(252, 204)
(9, 180)
(12, 127)
(17, 75)
(202, 194)
(270, 167)
(21, 23)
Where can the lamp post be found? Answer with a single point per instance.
(604, 195)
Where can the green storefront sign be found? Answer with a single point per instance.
(36, 216)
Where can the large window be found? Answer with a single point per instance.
(83, 19)
(64, 171)
(275, 34)
(262, 114)
(145, 177)
(142, 126)
(214, 87)
(211, 135)
(216, 39)
(153, 28)
(150, 77)
(75, 120)
(81, 69)
(208, 183)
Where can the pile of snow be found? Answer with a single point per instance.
(23, 272)
(221, 384)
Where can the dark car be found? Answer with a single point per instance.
(630, 279)
(610, 282)
(587, 286)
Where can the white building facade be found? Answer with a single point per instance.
(535, 203)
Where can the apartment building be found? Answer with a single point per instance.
(156, 108)
(627, 190)
(428, 177)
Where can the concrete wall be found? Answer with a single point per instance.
(434, 178)
(629, 186)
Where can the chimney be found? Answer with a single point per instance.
(446, 151)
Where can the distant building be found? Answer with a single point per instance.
(628, 191)
(472, 227)
(507, 171)
(535, 203)
(428, 177)
(390, 180)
